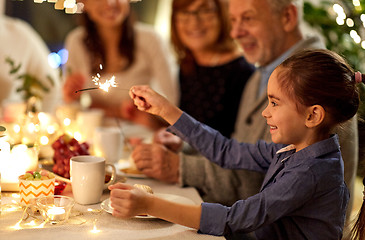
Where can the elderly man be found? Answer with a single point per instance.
(268, 32)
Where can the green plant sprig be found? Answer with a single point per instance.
(31, 86)
(2, 129)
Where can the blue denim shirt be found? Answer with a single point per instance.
(303, 195)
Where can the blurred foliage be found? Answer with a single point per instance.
(337, 37)
(31, 85)
(322, 18)
(2, 129)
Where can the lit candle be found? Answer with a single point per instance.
(15, 163)
(56, 214)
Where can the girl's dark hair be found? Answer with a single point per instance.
(358, 230)
(95, 47)
(224, 42)
(321, 77)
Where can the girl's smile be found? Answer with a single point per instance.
(287, 124)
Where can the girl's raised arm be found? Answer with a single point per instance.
(150, 101)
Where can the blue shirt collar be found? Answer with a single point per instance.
(317, 149)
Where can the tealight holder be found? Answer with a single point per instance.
(29, 189)
(55, 209)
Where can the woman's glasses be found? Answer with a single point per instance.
(203, 14)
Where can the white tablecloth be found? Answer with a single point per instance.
(90, 222)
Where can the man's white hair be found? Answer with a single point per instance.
(279, 5)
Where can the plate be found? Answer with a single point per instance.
(123, 168)
(105, 205)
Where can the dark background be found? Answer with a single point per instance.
(53, 25)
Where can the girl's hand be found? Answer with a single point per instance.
(128, 201)
(150, 101)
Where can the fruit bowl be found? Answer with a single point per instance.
(64, 148)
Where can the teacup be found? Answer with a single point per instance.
(88, 178)
(88, 121)
(108, 143)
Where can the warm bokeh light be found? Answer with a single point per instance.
(51, 129)
(95, 229)
(67, 122)
(350, 22)
(16, 128)
(44, 140)
(78, 136)
(340, 21)
(355, 36)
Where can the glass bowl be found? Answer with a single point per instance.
(55, 209)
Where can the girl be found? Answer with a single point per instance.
(303, 195)
(130, 51)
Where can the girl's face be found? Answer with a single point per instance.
(287, 125)
(107, 13)
(198, 25)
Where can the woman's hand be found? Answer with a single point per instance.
(73, 83)
(128, 201)
(150, 101)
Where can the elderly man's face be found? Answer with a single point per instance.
(257, 29)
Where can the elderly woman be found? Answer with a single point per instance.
(213, 71)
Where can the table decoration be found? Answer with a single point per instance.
(15, 161)
(34, 185)
(30, 215)
(55, 209)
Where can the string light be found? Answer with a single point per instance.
(356, 3)
(350, 22)
(341, 19)
(362, 17)
(355, 36)
(70, 6)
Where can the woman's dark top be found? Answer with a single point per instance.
(212, 95)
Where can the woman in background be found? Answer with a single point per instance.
(110, 43)
(213, 71)
(212, 77)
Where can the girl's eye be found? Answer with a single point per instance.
(273, 104)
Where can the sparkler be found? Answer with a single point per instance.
(103, 86)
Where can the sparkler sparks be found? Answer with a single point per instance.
(103, 86)
(106, 85)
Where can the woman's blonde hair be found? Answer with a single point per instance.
(224, 42)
